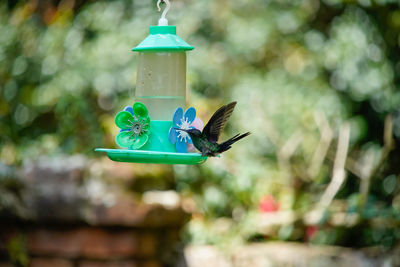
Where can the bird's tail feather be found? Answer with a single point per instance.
(227, 144)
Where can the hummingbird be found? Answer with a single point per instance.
(206, 141)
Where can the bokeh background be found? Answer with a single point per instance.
(317, 84)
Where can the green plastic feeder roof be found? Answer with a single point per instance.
(163, 38)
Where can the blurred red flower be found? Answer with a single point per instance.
(268, 204)
(311, 231)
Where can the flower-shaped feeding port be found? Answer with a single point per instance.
(183, 121)
(148, 141)
(135, 126)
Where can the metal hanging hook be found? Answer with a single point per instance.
(163, 21)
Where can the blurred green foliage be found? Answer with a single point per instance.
(299, 69)
(17, 250)
(10, 192)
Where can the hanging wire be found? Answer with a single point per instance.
(163, 21)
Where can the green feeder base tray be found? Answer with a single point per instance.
(143, 156)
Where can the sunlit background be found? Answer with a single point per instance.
(317, 84)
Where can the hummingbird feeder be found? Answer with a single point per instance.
(149, 128)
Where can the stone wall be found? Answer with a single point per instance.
(68, 215)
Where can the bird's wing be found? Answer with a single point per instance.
(218, 121)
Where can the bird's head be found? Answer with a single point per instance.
(191, 132)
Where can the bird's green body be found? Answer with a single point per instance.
(206, 147)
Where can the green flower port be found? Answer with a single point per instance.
(134, 123)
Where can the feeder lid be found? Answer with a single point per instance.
(163, 38)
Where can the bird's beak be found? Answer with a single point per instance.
(180, 129)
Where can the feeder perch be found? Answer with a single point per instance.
(160, 92)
